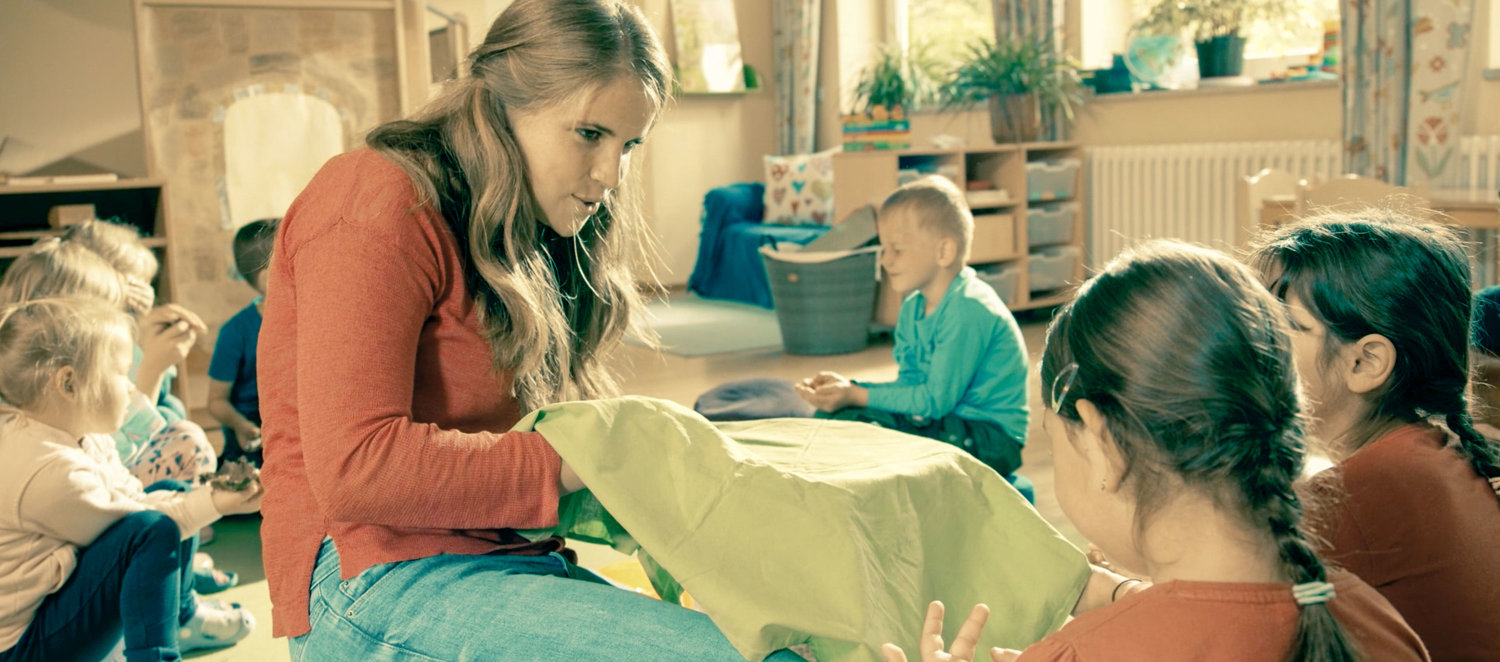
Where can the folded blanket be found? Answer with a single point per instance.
(829, 533)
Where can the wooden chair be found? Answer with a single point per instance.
(1352, 192)
(1250, 194)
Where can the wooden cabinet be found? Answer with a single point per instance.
(1008, 188)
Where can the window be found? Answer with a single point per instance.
(1106, 30)
(1494, 43)
(945, 28)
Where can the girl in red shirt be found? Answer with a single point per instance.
(1177, 433)
(1380, 307)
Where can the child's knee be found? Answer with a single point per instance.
(151, 526)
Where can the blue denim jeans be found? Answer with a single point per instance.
(456, 608)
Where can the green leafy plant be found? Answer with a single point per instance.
(1011, 66)
(1207, 19)
(896, 79)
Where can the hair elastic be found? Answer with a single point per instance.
(1313, 593)
(1069, 371)
(1115, 594)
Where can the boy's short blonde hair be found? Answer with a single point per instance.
(936, 204)
(60, 269)
(40, 337)
(119, 245)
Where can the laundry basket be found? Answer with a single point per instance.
(824, 300)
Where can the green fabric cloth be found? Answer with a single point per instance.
(830, 533)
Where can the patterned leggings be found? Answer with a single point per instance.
(179, 452)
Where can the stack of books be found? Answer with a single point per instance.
(878, 129)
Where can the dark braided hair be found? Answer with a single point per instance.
(1378, 272)
(1187, 359)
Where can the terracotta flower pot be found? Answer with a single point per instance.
(1015, 118)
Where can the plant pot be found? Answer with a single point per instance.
(1221, 56)
(1015, 118)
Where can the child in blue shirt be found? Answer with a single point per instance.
(963, 361)
(232, 395)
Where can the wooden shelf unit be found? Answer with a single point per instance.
(1000, 228)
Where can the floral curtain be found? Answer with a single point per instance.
(1027, 19)
(1405, 64)
(795, 36)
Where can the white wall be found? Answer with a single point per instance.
(705, 141)
(69, 85)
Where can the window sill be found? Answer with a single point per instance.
(1288, 86)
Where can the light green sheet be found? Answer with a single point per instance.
(830, 533)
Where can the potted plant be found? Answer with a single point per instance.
(883, 94)
(1217, 28)
(1015, 76)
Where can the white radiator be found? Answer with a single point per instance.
(1188, 191)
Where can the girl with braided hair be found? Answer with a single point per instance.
(1380, 308)
(1177, 433)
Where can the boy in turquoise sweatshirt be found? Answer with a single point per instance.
(963, 361)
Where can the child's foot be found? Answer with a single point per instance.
(215, 624)
(212, 580)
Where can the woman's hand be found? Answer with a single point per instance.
(964, 644)
(568, 481)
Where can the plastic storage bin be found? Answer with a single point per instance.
(824, 301)
(1052, 180)
(1052, 268)
(1005, 278)
(1051, 224)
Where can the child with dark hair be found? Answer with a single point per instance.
(1380, 314)
(1177, 431)
(962, 359)
(232, 395)
(1485, 343)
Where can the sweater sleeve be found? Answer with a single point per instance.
(190, 510)
(142, 419)
(363, 296)
(955, 360)
(73, 501)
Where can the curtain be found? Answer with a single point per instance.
(1405, 64)
(796, 26)
(1030, 19)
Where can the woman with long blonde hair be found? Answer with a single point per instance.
(473, 263)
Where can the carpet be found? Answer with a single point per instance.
(689, 325)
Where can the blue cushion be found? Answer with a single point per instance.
(752, 399)
(729, 264)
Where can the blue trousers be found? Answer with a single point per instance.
(459, 608)
(128, 583)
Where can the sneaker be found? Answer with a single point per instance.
(212, 580)
(214, 625)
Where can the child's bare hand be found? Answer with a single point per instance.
(965, 643)
(248, 437)
(824, 378)
(243, 502)
(167, 334)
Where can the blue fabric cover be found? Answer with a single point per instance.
(729, 263)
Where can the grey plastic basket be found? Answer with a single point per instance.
(823, 307)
